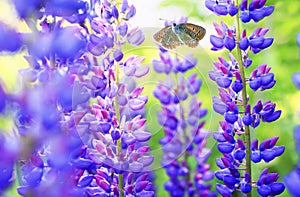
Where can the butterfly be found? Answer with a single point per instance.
(175, 35)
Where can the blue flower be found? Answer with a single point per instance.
(292, 181)
(261, 79)
(10, 40)
(222, 7)
(256, 41)
(175, 122)
(65, 7)
(267, 185)
(225, 37)
(233, 101)
(3, 99)
(28, 8)
(296, 79)
(298, 39)
(256, 10)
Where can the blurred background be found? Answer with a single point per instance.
(282, 56)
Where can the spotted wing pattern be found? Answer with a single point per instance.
(191, 34)
(167, 37)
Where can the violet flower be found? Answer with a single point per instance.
(83, 127)
(222, 7)
(11, 41)
(292, 180)
(183, 127)
(256, 10)
(225, 37)
(233, 103)
(10, 149)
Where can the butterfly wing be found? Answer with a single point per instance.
(160, 34)
(167, 38)
(191, 34)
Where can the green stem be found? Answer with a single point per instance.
(186, 156)
(119, 145)
(244, 95)
(118, 115)
(185, 137)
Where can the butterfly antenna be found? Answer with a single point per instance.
(162, 19)
(167, 22)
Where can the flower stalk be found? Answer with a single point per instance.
(185, 136)
(247, 136)
(234, 140)
(119, 142)
(84, 122)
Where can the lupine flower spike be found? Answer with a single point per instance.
(185, 135)
(240, 112)
(82, 127)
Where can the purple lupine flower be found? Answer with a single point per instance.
(292, 180)
(266, 151)
(10, 151)
(298, 39)
(46, 45)
(120, 147)
(26, 9)
(222, 7)
(65, 8)
(3, 99)
(225, 38)
(256, 41)
(72, 10)
(10, 40)
(83, 127)
(261, 78)
(184, 134)
(233, 101)
(256, 10)
(296, 79)
(135, 37)
(267, 185)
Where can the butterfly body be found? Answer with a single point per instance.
(179, 34)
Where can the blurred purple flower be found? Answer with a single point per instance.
(184, 134)
(10, 40)
(67, 43)
(135, 37)
(75, 146)
(10, 149)
(2, 99)
(222, 7)
(296, 79)
(73, 10)
(26, 9)
(298, 39)
(292, 179)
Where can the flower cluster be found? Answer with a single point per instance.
(234, 104)
(222, 7)
(81, 126)
(181, 118)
